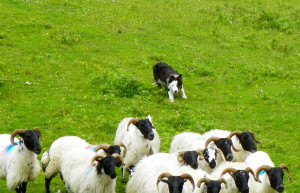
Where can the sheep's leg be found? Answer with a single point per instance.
(23, 187)
(18, 190)
(47, 184)
(123, 175)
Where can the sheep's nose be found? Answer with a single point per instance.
(254, 150)
(195, 166)
(229, 157)
(212, 164)
(37, 150)
(113, 176)
(151, 136)
(246, 190)
(280, 188)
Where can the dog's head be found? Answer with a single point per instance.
(175, 83)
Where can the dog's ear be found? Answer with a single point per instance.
(179, 77)
(171, 78)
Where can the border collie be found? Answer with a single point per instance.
(165, 75)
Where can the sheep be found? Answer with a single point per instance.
(18, 160)
(244, 142)
(161, 167)
(51, 158)
(140, 138)
(271, 177)
(194, 141)
(211, 186)
(86, 171)
(237, 176)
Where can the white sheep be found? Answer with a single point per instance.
(189, 141)
(51, 159)
(237, 176)
(140, 138)
(244, 142)
(85, 171)
(271, 177)
(148, 172)
(18, 160)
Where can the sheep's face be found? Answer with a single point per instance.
(247, 141)
(175, 83)
(31, 141)
(224, 145)
(241, 178)
(213, 186)
(108, 164)
(175, 183)
(275, 175)
(145, 127)
(210, 157)
(191, 158)
(113, 149)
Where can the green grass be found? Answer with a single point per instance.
(90, 65)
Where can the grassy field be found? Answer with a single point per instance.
(90, 65)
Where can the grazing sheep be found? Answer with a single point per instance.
(236, 175)
(51, 159)
(18, 160)
(244, 142)
(85, 171)
(193, 141)
(271, 177)
(140, 138)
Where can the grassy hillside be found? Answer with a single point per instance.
(90, 65)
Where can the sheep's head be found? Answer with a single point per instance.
(212, 186)
(175, 183)
(224, 144)
(111, 149)
(108, 164)
(190, 158)
(30, 137)
(210, 156)
(144, 126)
(246, 139)
(240, 177)
(275, 175)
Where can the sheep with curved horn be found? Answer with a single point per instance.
(18, 160)
(188, 141)
(175, 183)
(271, 177)
(85, 171)
(51, 159)
(212, 186)
(243, 141)
(140, 138)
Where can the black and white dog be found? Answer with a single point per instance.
(164, 74)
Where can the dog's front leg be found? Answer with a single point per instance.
(171, 96)
(183, 93)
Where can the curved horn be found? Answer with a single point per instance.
(232, 145)
(200, 154)
(254, 138)
(221, 154)
(94, 158)
(98, 147)
(122, 145)
(190, 178)
(222, 180)
(16, 132)
(180, 156)
(134, 120)
(234, 133)
(205, 180)
(38, 131)
(264, 167)
(283, 166)
(210, 140)
(250, 171)
(161, 176)
(117, 156)
(228, 170)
